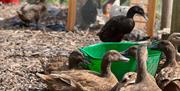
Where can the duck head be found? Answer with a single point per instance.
(75, 58)
(114, 55)
(168, 49)
(131, 51)
(164, 45)
(108, 58)
(136, 10)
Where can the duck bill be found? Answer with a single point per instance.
(145, 17)
(124, 59)
(154, 46)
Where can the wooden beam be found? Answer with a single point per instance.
(71, 15)
(151, 16)
(175, 25)
(166, 12)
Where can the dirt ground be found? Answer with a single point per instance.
(22, 51)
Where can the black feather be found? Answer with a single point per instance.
(118, 26)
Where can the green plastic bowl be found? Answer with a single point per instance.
(94, 54)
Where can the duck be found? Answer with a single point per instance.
(174, 38)
(169, 75)
(85, 80)
(115, 29)
(143, 81)
(29, 13)
(129, 77)
(64, 62)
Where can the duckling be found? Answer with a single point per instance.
(170, 74)
(85, 80)
(144, 81)
(115, 29)
(32, 12)
(175, 40)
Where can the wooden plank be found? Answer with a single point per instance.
(151, 16)
(71, 15)
(175, 25)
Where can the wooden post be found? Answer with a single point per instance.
(151, 16)
(166, 14)
(71, 15)
(175, 25)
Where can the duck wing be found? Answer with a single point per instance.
(83, 80)
(115, 28)
(69, 81)
(61, 82)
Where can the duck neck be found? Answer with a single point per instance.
(141, 70)
(170, 56)
(130, 13)
(106, 68)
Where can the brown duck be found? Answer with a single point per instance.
(85, 80)
(29, 13)
(129, 77)
(168, 78)
(144, 81)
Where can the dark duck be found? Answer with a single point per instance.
(118, 26)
